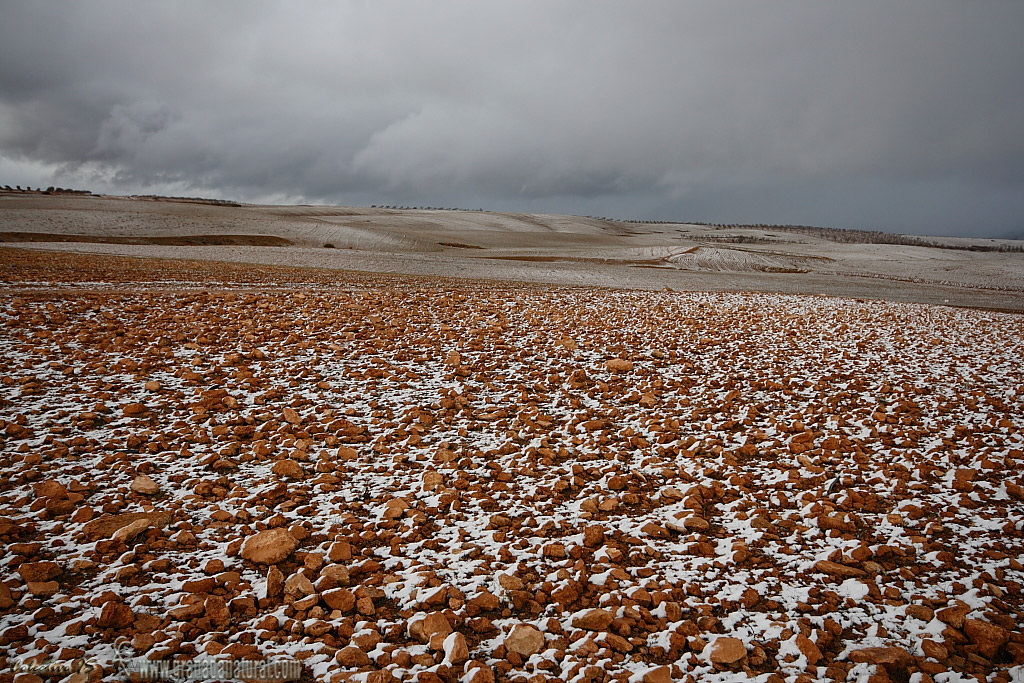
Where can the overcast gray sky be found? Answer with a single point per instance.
(903, 116)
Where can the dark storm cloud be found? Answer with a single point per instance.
(870, 114)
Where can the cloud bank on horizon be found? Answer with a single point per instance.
(875, 115)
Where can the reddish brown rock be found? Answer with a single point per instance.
(840, 570)
(954, 616)
(133, 409)
(567, 343)
(934, 650)
(340, 551)
(836, 522)
(672, 494)
(676, 525)
(6, 599)
(365, 606)
(275, 582)
(921, 612)
(617, 483)
(485, 601)
(144, 485)
(269, 547)
(432, 480)
(288, 469)
(352, 657)
(555, 551)
(727, 650)
(659, 674)
(298, 585)
(184, 538)
(456, 650)
(395, 508)
(525, 640)
(366, 640)
(593, 536)
(51, 488)
(884, 656)
(104, 527)
(43, 589)
(697, 524)
(333, 576)
(340, 599)
(204, 585)
(429, 625)
(616, 642)
(988, 637)
(480, 674)
(618, 365)
(129, 532)
(808, 649)
(593, 620)
(59, 507)
(655, 530)
(39, 571)
(217, 611)
(511, 582)
(567, 595)
(347, 453)
(499, 522)
(115, 615)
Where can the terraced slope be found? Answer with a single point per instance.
(745, 260)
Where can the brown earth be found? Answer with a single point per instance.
(484, 480)
(176, 240)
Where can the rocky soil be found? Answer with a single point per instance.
(397, 478)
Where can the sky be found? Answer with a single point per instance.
(878, 115)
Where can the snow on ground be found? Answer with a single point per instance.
(480, 481)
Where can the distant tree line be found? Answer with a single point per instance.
(420, 208)
(848, 236)
(193, 200)
(49, 190)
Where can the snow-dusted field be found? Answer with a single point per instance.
(541, 248)
(431, 480)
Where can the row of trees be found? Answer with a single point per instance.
(49, 190)
(848, 236)
(193, 200)
(420, 208)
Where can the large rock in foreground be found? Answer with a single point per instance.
(106, 526)
(525, 639)
(893, 657)
(727, 650)
(593, 620)
(269, 547)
